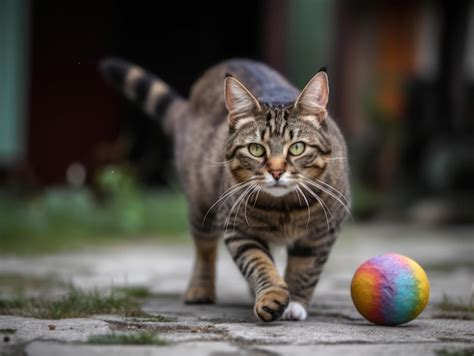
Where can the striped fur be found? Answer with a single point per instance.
(232, 193)
(150, 93)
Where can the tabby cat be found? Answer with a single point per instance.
(260, 163)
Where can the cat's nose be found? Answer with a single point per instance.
(276, 174)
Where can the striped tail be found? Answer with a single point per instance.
(152, 94)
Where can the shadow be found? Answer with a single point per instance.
(403, 326)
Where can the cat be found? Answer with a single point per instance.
(261, 163)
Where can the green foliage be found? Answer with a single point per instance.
(63, 218)
(139, 338)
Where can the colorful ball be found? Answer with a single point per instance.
(390, 289)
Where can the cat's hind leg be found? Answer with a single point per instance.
(201, 288)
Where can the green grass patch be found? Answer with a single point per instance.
(7, 331)
(117, 209)
(136, 292)
(140, 338)
(449, 304)
(60, 219)
(74, 304)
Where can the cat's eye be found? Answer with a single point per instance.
(297, 148)
(256, 150)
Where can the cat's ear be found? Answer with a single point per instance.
(313, 100)
(239, 101)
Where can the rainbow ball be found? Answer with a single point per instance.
(390, 289)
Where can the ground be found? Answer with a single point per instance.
(155, 275)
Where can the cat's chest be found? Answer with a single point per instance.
(277, 227)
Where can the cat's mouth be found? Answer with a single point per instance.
(278, 187)
(278, 184)
(278, 190)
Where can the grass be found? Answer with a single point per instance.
(67, 218)
(75, 304)
(7, 331)
(140, 338)
(136, 292)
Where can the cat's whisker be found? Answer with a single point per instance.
(223, 163)
(342, 196)
(246, 193)
(229, 214)
(336, 158)
(256, 197)
(320, 187)
(298, 196)
(254, 190)
(236, 202)
(321, 202)
(229, 192)
(329, 192)
(328, 186)
(307, 204)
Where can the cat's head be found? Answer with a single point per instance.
(277, 147)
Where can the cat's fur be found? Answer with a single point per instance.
(233, 193)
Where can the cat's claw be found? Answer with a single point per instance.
(295, 311)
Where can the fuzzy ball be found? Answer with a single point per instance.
(390, 289)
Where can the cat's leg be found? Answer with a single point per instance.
(306, 259)
(201, 289)
(252, 256)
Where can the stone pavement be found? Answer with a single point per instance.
(230, 328)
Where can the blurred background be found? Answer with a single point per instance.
(80, 164)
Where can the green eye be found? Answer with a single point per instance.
(297, 148)
(256, 150)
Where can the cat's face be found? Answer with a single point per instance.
(278, 149)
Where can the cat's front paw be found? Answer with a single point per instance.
(199, 295)
(271, 304)
(295, 311)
